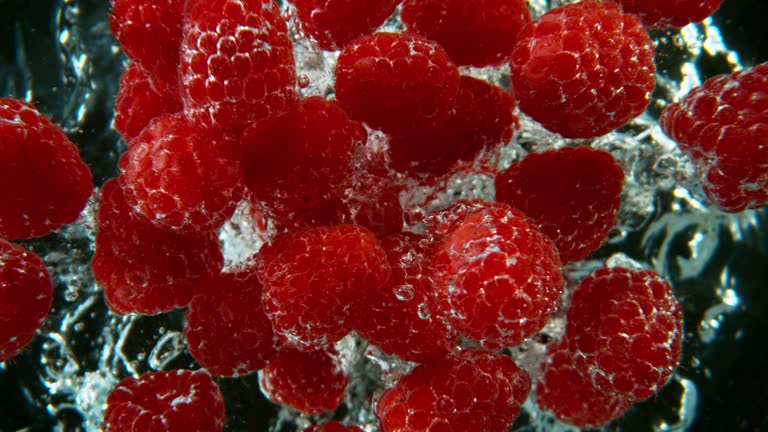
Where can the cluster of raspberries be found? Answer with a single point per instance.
(212, 117)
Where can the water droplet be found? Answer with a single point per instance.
(404, 292)
(303, 81)
(423, 311)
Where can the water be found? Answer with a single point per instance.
(60, 54)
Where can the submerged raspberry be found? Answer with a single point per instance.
(310, 382)
(666, 13)
(314, 278)
(44, 184)
(572, 194)
(572, 398)
(476, 33)
(583, 69)
(722, 125)
(181, 177)
(498, 275)
(179, 400)
(26, 295)
(226, 329)
(471, 390)
(396, 82)
(624, 331)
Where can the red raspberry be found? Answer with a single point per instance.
(333, 426)
(179, 400)
(141, 99)
(314, 278)
(498, 275)
(583, 69)
(142, 268)
(476, 33)
(149, 32)
(665, 13)
(471, 390)
(441, 223)
(396, 82)
(624, 331)
(310, 382)
(180, 177)
(294, 163)
(227, 330)
(482, 118)
(573, 195)
(572, 398)
(402, 317)
(333, 23)
(26, 295)
(237, 63)
(723, 126)
(44, 184)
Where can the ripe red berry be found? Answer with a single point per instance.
(145, 269)
(314, 278)
(140, 99)
(149, 32)
(470, 390)
(44, 184)
(26, 294)
(310, 382)
(572, 194)
(583, 69)
(665, 13)
(498, 275)
(180, 400)
(722, 125)
(237, 63)
(572, 398)
(624, 331)
(402, 317)
(181, 177)
(333, 23)
(477, 33)
(294, 163)
(482, 117)
(396, 82)
(226, 329)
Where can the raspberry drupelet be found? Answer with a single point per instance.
(670, 13)
(723, 126)
(26, 295)
(44, 184)
(583, 69)
(180, 400)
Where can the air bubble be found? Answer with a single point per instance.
(404, 292)
(423, 311)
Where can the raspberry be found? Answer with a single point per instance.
(179, 400)
(573, 195)
(142, 268)
(180, 177)
(624, 331)
(333, 426)
(572, 398)
(26, 295)
(44, 184)
(314, 278)
(310, 382)
(334, 23)
(498, 275)
(149, 32)
(722, 126)
(477, 33)
(396, 82)
(227, 330)
(294, 163)
(665, 14)
(583, 69)
(482, 117)
(237, 63)
(402, 317)
(139, 100)
(471, 390)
